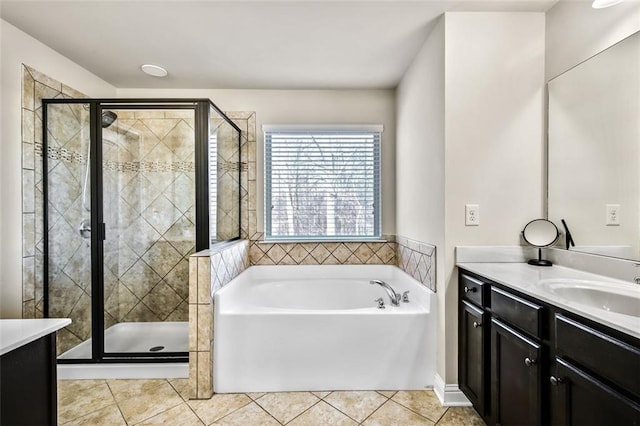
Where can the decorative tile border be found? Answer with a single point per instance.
(338, 253)
(418, 260)
(209, 270)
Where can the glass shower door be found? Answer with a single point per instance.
(148, 194)
(65, 247)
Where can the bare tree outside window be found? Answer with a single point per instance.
(322, 184)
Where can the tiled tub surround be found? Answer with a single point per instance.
(418, 260)
(318, 327)
(209, 270)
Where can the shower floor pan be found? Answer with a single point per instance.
(129, 337)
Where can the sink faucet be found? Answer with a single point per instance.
(393, 296)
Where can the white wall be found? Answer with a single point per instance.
(420, 145)
(307, 107)
(575, 31)
(494, 152)
(18, 48)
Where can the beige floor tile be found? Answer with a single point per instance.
(393, 414)
(388, 394)
(321, 394)
(357, 405)
(128, 388)
(181, 386)
(109, 415)
(78, 398)
(461, 416)
(255, 395)
(285, 406)
(322, 414)
(249, 415)
(425, 403)
(220, 404)
(146, 404)
(181, 415)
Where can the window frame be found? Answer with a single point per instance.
(377, 181)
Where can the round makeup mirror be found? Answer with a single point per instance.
(540, 233)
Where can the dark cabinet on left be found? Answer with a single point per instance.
(28, 371)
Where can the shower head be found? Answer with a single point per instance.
(108, 117)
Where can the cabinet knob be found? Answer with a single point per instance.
(477, 324)
(470, 289)
(555, 381)
(529, 362)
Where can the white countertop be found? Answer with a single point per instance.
(18, 332)
(524, 278)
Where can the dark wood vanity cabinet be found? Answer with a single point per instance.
(473, 343)
(529, 363)
(472, 349)
(516, 377)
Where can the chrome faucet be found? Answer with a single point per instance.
(393, 296)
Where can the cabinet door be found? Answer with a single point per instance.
(472, 355)
(579, 399)
(515, 377)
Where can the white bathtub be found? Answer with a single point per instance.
(313, 328)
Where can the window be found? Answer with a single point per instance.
(322, 182)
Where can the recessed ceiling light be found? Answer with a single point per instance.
(601, 4)
(154, 70)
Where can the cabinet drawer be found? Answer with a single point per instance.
(519, 312)
(609, 358)
(471, 289)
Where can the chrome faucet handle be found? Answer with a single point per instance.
(405, 297)
(380, 302)
(637, 280)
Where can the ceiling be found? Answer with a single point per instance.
(328, 44)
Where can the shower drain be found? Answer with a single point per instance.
(156, 348)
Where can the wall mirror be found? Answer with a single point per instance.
(594, 151)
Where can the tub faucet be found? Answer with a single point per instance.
(393, 296)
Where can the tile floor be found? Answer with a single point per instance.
(165, 402)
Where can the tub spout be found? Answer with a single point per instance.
(393, 296)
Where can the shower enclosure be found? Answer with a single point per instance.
(132, 187)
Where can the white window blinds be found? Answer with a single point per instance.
(322, 183)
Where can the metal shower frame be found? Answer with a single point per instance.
(202, 108)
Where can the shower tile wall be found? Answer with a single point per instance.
(149, 184)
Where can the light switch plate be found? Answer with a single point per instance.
(472, 215)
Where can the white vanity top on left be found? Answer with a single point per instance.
(18, 332)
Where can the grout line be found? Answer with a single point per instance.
(440, 418)
(116, 402)
(304, 411)
(419, 414)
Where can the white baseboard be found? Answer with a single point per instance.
(168, 370)
(449, 395)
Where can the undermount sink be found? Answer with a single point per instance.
(622, 298)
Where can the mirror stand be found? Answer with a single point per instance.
(539, 261)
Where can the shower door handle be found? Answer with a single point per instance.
(103, 231)
(85, 229)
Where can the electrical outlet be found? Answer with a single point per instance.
(472, 215)
(613, 215)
